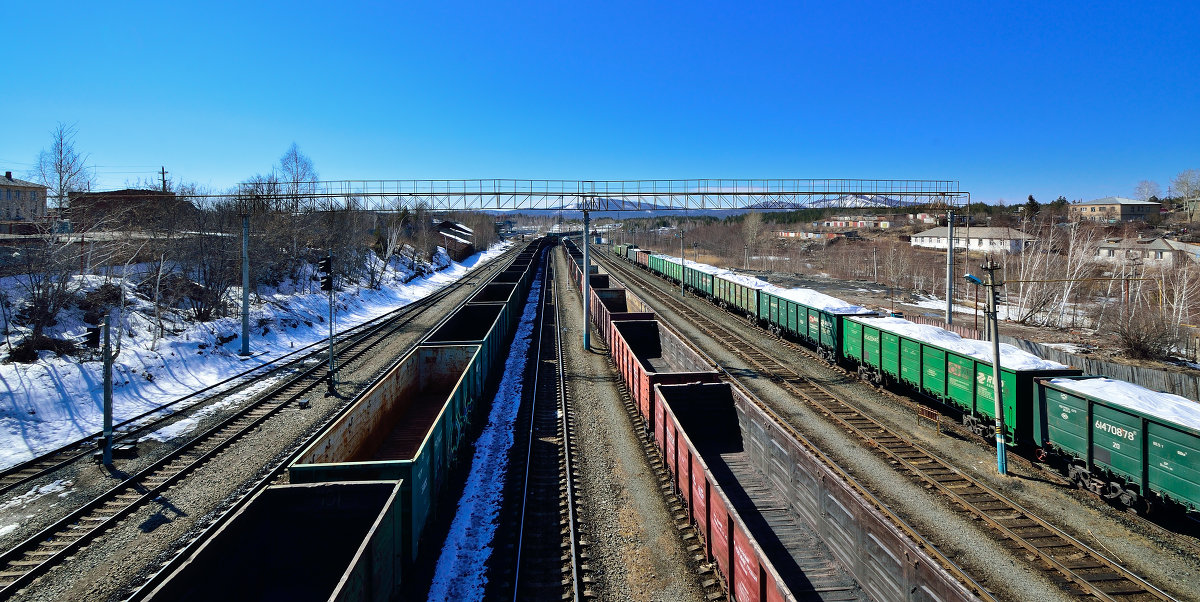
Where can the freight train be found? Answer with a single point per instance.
(1136, 447)
(356, 518)
(732, 463)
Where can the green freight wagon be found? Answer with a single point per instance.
(328, 542)
(665, 266)
(811, 317)
(699, 277)
(951, 369)
(740, 292)
(409, 427)
(1128, 443)
(670, 267)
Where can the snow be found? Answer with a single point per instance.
(817, 300)
(1166, 406)
(809, 297)
(459, 574)
(743, 280)
(940, 305)
(59, 486)
(1068, 347)
(57, 400)
(1010, 356)
(457, 238)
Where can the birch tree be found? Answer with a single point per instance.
(61, 168)
(1147, 189)
(1078, 247)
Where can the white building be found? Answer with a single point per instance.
(1147, 251)
(991, 240)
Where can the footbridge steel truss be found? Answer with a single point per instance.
(605, 195)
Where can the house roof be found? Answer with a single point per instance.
(6, 181)
(1116, 200)
(995, 233)
(1150, 244)
(453, 237)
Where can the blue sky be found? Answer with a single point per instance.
(1043, 98)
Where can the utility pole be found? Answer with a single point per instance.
(245, 285)
(164, 178)
(875, 262)
(682, 261)
(106, 458)
(949, 267)
(587, 283)
(746, 259)
(325, 266)
(994, 330)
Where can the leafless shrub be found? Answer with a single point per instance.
(1145, 334)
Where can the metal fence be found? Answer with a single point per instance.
(1179, 383)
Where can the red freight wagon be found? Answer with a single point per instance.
(616, 304)
(646, 354)
(642, 258)
(763, 545)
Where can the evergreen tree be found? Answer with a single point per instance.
(1032, 207)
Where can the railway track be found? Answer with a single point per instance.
(131, 429)
(1073, 565)
(546, 559)
(54, 544)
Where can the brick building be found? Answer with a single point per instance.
(1113, 209)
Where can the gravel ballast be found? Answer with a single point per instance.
(635, 551)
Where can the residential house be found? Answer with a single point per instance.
(1162, 252)
(1113, 209)
(456, 238)
(21, 200)
(988, 240)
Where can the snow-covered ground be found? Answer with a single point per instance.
(459, 574)
(56, 400)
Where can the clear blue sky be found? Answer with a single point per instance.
(1047, 98)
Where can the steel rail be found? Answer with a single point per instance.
(55, 459)
(565, 413)
(543, 385)
(1097, 575)
(29, 559)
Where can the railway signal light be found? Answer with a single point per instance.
(325, 266)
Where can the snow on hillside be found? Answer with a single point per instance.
(56, 400)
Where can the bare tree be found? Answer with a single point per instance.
(752, 229)
(1146, 189)
(61, 168)
(390, 233)
(423, 231)
(1077, 246)
(45, 278)
(298, 179)
(1028, 298)
(1186, 187)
